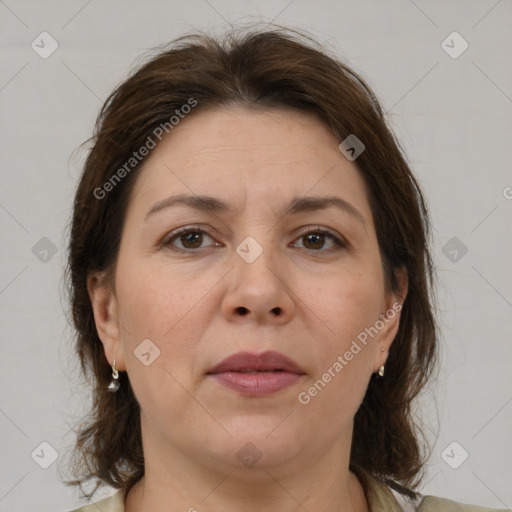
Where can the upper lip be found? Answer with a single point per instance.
(249, 361)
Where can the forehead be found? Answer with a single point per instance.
(249, 158)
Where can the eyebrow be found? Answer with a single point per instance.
(296, 206)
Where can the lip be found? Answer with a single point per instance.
(271, 372)
(249, 361)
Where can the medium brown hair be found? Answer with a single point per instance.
(263, 69)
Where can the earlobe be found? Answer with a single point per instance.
(104, 305)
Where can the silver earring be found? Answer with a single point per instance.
(381, 371)
(114, 383)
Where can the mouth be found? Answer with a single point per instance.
(257, 374)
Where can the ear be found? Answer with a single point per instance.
(390, 317)
(104, 305)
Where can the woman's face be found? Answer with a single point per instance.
(249, 272)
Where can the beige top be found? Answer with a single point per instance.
(380, 497)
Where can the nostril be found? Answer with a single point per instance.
(242, 310)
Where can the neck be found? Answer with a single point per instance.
(176, 482)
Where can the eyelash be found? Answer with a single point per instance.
(339, 243)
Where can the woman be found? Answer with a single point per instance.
(250, 282)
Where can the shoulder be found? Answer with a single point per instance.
(114, 503)
(382, 499)
(435, 504)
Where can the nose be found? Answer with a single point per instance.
(258, 291)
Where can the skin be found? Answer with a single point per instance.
(188, 305)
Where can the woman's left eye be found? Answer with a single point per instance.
(315, 240)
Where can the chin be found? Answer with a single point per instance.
(257, 444)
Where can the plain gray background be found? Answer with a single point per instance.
(452, 114)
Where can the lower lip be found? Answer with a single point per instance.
(257, 384)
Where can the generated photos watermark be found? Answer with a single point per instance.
(137, 156)
(304, 397)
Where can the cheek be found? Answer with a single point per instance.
(172, 309)
(349, 306)
(155, 301)
(158, 312)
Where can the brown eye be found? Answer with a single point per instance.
(191, 240)
(187, 239)
(316, 240)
